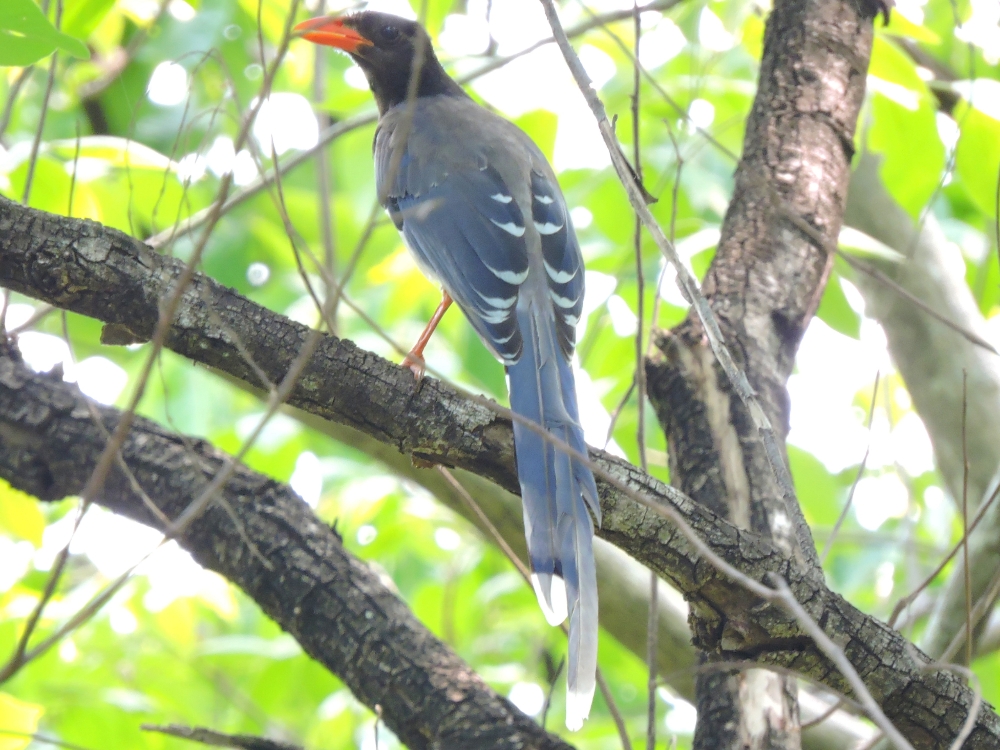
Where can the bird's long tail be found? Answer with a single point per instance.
(556, 492)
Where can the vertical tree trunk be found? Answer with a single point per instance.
(764, 285)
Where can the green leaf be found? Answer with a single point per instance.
(835, 311)
(26, 35)
(117, 152)
(977, 156)
(20, 515)
(855, 242)
(18, 716)
(900, 25)
(904, 130)
(81, 17)
(988, 669)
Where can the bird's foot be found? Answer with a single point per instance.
(415, 363)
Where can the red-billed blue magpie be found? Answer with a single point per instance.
(480, 207)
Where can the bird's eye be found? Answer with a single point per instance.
(390, 33)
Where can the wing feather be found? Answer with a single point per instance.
(478, 261)
(561, 254)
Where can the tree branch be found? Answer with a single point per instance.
(331, 602)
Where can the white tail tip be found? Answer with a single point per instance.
(578, 705)
(552, 601)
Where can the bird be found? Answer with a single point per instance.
(480, 208)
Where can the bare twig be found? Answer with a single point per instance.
(652, 621)
(908, 599)
(36, 317)
(21, 656)
(822, 717)
(548, 695)
(965, 519)
(980, 609)
(218, 739)
(37, 141)
(15, 89)
(857, 477)
(324, 176)
(616, 715)
(120, 59)
(882, 278)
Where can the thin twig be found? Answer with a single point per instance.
(21, 655)
(652, 620)
(982, 606)
(857, 477)
(633, 58)
(616, 715)
(37, 141)
(822, 717)
(120, 58)
(217, 739)
(15, 89)
(980, 514)
(37, 316)
(548, 695)
(965, 519)
(882, 278)
(324, 175)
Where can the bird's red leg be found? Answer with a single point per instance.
(415, 359)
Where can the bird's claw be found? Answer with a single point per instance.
(415, 364)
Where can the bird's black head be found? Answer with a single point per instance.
(389, 49)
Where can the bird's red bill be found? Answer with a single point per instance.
(332, 32)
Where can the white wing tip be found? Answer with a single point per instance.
(578, 705)
(553, 601)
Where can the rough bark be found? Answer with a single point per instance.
(623, 582)
(81, 266)
(297, 570)
(764, 285)
(933, 360)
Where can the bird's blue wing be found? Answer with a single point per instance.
(561, 253)
(466, 229)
